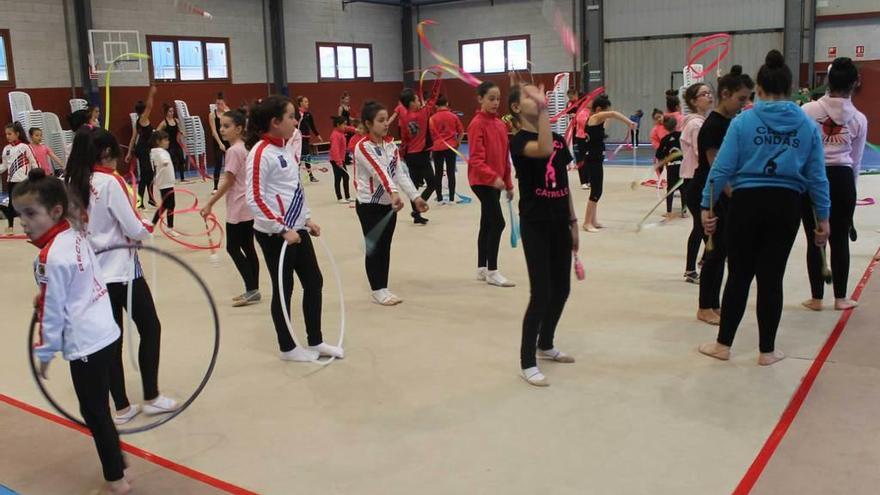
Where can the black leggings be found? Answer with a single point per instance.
(306, 152)
(421, 172)
(91, 381)
(596, 173)
(240, 246)
(146, 174)
(547, 247)
(299, 258)
(378, 258)
(340, 177)
(218, 167)
(9, 210)
(692, 195)
(177, 159)
(150, 330)
(491, 226)
(446, 157)
(842, 186)
(762, 225)
(580, 145)
(168, 205)
(712, 273)
(672, 176)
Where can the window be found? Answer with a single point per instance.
(495, 55)
(344, 62)
(188, 59)
(7, 74)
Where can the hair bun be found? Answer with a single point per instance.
(774, 59)
(36, 174)
(736, 70)
(672, 93)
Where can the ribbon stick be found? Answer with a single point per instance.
(110, 67)
(514, 225)
(185, 7)
(662, 200)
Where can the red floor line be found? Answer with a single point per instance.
(135, 451)
(757, 468)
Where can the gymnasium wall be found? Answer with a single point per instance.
(637, 18)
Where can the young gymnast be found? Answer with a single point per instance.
(489, 174)
(699, 100)
(338, 158)
(309, 130)
(140, 144)
(164, 167)
(416, 143)
(42, 153)
(74, 313)
(844, 133)
(239, 219)
(548, 226)
(171, 125)
(102, 204)
(378, 176)
(276, 199)
(771, 155)
(220, 144)
(446, 132)
(17, 161)
(668, 155)
(595, 156)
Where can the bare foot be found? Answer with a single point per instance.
(717, 311)
(814, 304)
(119, 487)
(598, 225)
(768, 358)
(708, 316)
(590, 228)
(842, 304)
(715, 350)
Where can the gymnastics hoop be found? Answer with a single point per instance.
(286, 313)
(165, 417)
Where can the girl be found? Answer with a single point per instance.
(378, 175)
(549, 226)
(275, 197)
(140, 143)
(161, 160)
(733, 93)
(673, 108)
(595, 156)
(74, 311)
(771, 155)
(415, 140)
(171, 125)
(101, 199)
(344, 109)
(580, 144)
(658, 132)
(18, 160)
(669, 156)
(337, 159)
(844, 132)
(220, 145)
(239, 219)
(446, 133)
(43, 153)
(308, 129)
(489, 174)
(698, 98)
(94, 116)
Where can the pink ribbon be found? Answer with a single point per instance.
(712, 42)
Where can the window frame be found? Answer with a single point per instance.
(354, 47)
(10, 67)
(174, 40)
(480, 41)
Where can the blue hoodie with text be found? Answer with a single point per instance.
(774, 144)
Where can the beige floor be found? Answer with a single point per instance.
(428, 399)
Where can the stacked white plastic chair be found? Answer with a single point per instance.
(56, 138)
(23, 112)
(196, 149)
(78, 104)
(557, 100)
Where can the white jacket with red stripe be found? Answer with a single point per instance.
(112, 220)
(73, 308)
(18, 160)
(378, 172)
(274, 193)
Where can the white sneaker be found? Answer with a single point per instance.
(585, 186)
(300, 355)
(342, 201)
(160, 405)
(535, 377)
(495, 278)
(481, 273)
(554, 355)
(328, 350)
(384, 297)
(122, 418)
(173, 233)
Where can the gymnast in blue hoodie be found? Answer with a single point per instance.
(770, 156)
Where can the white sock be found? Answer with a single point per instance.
(299, 355)
(325, 349)
(533, 374)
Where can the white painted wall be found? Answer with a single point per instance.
(627, 18)
(39, 48)
(845, 35)
(310, 21)
(836, 7)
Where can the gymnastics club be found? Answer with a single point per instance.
(710, 244)
(826, 271)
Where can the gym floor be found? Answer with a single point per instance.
(429, 400)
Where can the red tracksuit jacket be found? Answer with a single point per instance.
(489, 151)
(446, 129)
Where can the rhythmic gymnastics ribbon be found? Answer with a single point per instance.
(514, 225)
(214, 226)
(565, 32)
(184, 7)
(445, 64)
(651, 211)
(712, 42)
(163, 418)
(826, 270)
(579, 271)
(110, 67)
(865, 202)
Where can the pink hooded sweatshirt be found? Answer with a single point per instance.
(844, 131)
(691, 129)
